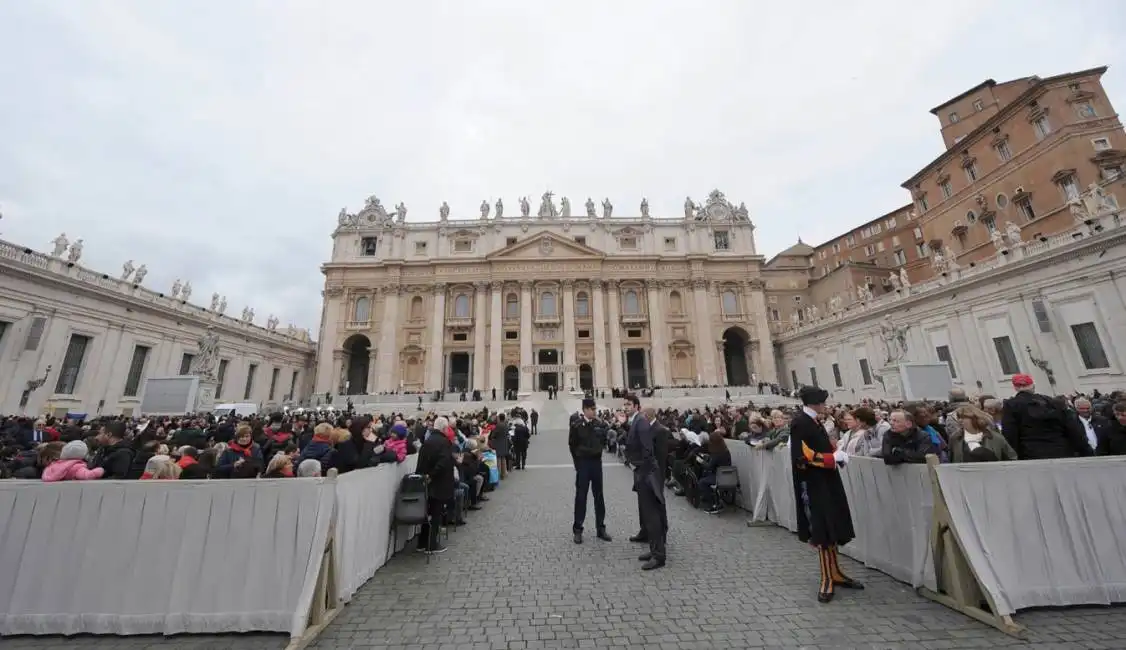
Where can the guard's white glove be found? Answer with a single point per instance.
(840, 457)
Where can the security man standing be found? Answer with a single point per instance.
(587, 438)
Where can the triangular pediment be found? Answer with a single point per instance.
(545, 246)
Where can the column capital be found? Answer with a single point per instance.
(699, 283)
(338, 355)
(497, 285)
(757, 284)
(526, 285)
(612, 285)
(596, 284)
(438, 288)
(481, 285)
(568, 285)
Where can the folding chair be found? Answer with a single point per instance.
(727, 486)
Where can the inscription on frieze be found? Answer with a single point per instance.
(547, 267)
(640, 267)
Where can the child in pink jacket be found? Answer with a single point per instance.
(71, 465)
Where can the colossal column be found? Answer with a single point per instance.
(570, 380)
(615, 325)
(598, 313)
(496, 321)
(373, 374)
(659, 350)
(480, 363)
(705, 342)
(388, 365)
(436, 357)
(527, 378)
(767, 371)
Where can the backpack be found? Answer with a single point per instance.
(410, 504)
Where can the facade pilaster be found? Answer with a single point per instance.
(496, 321)
(756, 300)
(570, 378)
(527, 379)
(617, 380)
(598, 314)
(659, 350)
(705, 342)
(388, 364)
(436, 357)
(230, 382)
(373, 364)
(479, 359)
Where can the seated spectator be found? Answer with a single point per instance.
(190, 466)
(927, 421)
(71, 465)
(280, 466)
(37, 460)
(718, 456)
(160, 468)
(974, 439)
(309, 468)
(779, 430)
(143, 451)
(862, 438)
(396, 441)
(243, 456)
(904, 442)
(1112, 433)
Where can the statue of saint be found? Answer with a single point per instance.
(215, 301)
(223, 305)
(444, 211)
(499, 209)
(565, 208)
(644, 208)
(139, 276)
(951, 259)
(60, 242)
(547, 206)
(998, 240)
(75, 253)
(525, 207)
(484, 209)
(204, 363)
(176, 286)
(186, 292)
(903, 279)
(894, 279)
(1012, 232)
(689, 208)
(344, 219)
(590, 208)
(401, 212)
(607, 208)
(742, 214)
(127, 269)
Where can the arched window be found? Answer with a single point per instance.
(630, 304)
(547, 304)
(461, 306)
(416, 307)
(511, 306)
(971, 218)
(582, 304)
(362, 311)
(730, 302)
(676, 304)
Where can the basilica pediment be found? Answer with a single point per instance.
(545, 246)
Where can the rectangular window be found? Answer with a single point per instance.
(1025, 207)
(670, 243)
(1042, 127)
(721, 241)
(1101, 144)
(880, 246)
(813, 376)
(1090, 347)
(463, 245)
(891, 223)
(923, 206)
(35, 333)
(918, 233)
(895, 240)
(865, 372)
(633, 334)
(580, 239)
(274, 382)
(869, 250)
(460, 337)
(947, 191)
(1006, 356)
(850, 240)
(1003, 151)
(627, 243)
(292, 386)
(921, 250)
(978, 105)
(971, 172)
(186, 363)
(837, 376)
(1069, 187)
(420, 248)
(584, 334)
(369, 246)
(954, 118)
(511, 335)
(508, 241)
(72, 364)
(136, 370)
(250, 381)
(900, 258)
(220, 376)
(943, 352)
(774, 314)
(990, 224)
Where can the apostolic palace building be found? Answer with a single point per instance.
(544, 298)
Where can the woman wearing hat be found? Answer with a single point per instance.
(823, 517)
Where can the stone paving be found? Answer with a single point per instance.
(513, 579)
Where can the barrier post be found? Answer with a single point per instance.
(326, 603)
(955, 579)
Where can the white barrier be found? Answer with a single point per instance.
(161, 557)
(365, 502)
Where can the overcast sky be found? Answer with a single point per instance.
(215, 141)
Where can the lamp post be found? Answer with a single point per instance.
(32, 386)
(1042, 364)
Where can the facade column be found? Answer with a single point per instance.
(658, 348)
(337, 373)
(705, 342)
(325, 377)
(598, 313)
(496, 327)
(615, 325)
(527, 378)
(437, 355)
(479, 359)
(766, 369)
(570, 374)
(373, 363)
(388, 365)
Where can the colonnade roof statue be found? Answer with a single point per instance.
(715, 208)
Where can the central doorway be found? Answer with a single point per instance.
(637, 368)
(511, 379)
(735, 342)
(547, 380)
(586, 378)
(459, 372)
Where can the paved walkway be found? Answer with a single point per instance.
(513, 579)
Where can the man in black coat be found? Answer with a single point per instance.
(1038, 426)
(585, 439)
(436, 463)
(823, 517)
(647, 482)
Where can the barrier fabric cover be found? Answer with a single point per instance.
(161, 557)
(365, 501)
(1042, 533)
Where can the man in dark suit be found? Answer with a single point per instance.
(586, 438)
(823, 516)
(647, 482)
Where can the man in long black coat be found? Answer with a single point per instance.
(823, 517)
(647, 482)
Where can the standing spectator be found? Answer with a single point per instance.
(864, 438)
(521, 438)
(1038, 426)
(436, 463)
(904, 442)
(974, 440)
(115, 454)
(1112, 435)
(71, 465)
(957, 400)
(243, 456)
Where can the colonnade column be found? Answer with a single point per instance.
(705, 342)
(496, 370)
(598, 313)
(480, 363)
(767, 371)
(615, 325)
(436, 357)
(527, 377)
(658, 349)
(388, 366)
(570, 379)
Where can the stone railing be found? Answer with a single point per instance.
(74, 272)
(1105, 224)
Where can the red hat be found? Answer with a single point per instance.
(1022, 381)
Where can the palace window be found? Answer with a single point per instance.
(582, 305)
(990, 224)
(547, 304)
(463, 245)
(361, 312)
(676, 303)
(1024, 204)
(1042, 126)
(627, 243)
(1101, 144)
(670, 243)
(1090, 346)
(953, 120)
(369, 246)
(72, 364)
(253, 370)
(947, 191)
(186, 363)
(631, 306)
(461, 306)
(509, 241)
(511, 335)
(511, 306)
(1006, 357)
(971, 172)
(580, 239)
(730, 303)
(978, 105)
(420, 248)
(274, 382)
(943, 354)
(220, 377)
(1069, 187)
(722, 243)
(1003, 151)
(136, 370)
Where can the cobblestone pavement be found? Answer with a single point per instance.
(513, 579)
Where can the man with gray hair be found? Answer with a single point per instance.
(309, 468)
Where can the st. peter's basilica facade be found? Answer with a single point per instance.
(543, 298)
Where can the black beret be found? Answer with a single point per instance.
(813, 395)
(588, 403)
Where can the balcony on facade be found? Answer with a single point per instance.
(734, 317)
(358, 324)
(546, 319)
(459, 322)
(634, 319)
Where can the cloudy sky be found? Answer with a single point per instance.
(217, 140)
